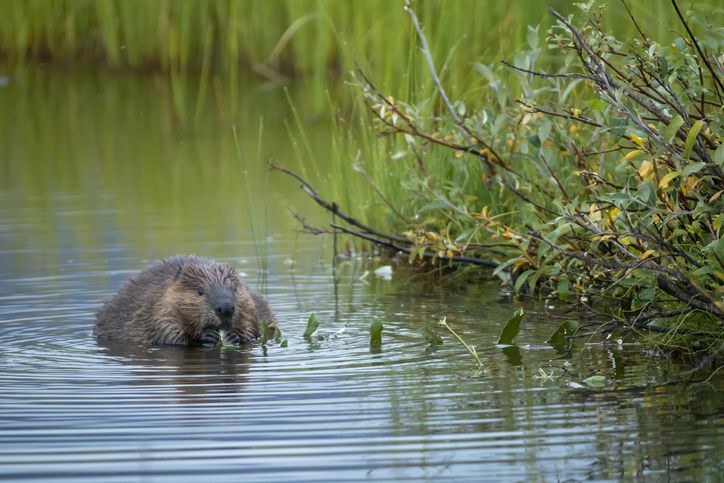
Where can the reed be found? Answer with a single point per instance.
(280, 39)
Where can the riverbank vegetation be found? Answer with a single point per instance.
(586, 169)
(597, 183)
(282, 41)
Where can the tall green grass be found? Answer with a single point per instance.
(280, 38)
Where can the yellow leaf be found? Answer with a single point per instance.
(627, 240)
(715, 196)
(576, 112)
(648, 253)
(638, 140)
(594, 213)
(458, 154)
(645, 168)
(691, 184)
(572, 128)
(613, 212)
(391, 100)
(631, 154)
(667, 179)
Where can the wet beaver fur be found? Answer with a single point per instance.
(183, 301)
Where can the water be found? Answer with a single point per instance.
(101, 173)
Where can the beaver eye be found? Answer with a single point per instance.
(200, 291)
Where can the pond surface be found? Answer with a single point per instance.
(100, 174)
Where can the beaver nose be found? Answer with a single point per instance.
(224, 309)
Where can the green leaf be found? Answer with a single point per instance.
(563, 290)
(719, 156)
(434, 205)
(691, 138)
(506, 264)
(544, 130)
(670, 131)
(618, 126)
(692, 168)
(285, 343)
(430, 334)
(376, 332)
(511, 329)
(265, 329)
(312, 326)
(521, 279)
(595, 381)
(566, 329)
(485, 71)
(647, 193)
(560, 231)
(532, 37)
(465, 234)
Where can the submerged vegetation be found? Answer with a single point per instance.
(597, 182)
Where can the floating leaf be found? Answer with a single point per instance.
(376, 332)
(566, 329)
(430, 334)
(595, 381)
(511, 329)
(312, 326)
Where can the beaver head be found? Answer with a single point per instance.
(204, 301)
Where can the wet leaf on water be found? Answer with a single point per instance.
(430, 335)
(312, 326)
(595, 381)
(511, 329)
(558, 337)
(376, 332)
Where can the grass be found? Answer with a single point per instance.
(314, 40)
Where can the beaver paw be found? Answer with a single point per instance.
(210, 337)
(231, 338)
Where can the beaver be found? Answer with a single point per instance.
(184, 300)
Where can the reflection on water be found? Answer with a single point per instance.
(98, 177)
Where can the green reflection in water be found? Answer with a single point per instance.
(93, 142)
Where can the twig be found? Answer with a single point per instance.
(467, 134)
(470, 349)
(546, 75)
(427, 255)
(333, 208)
(718, 82)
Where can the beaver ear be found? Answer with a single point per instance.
(180, 271)
(230, 272)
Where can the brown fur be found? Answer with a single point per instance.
(173, 302)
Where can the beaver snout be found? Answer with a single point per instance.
(224, 310)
